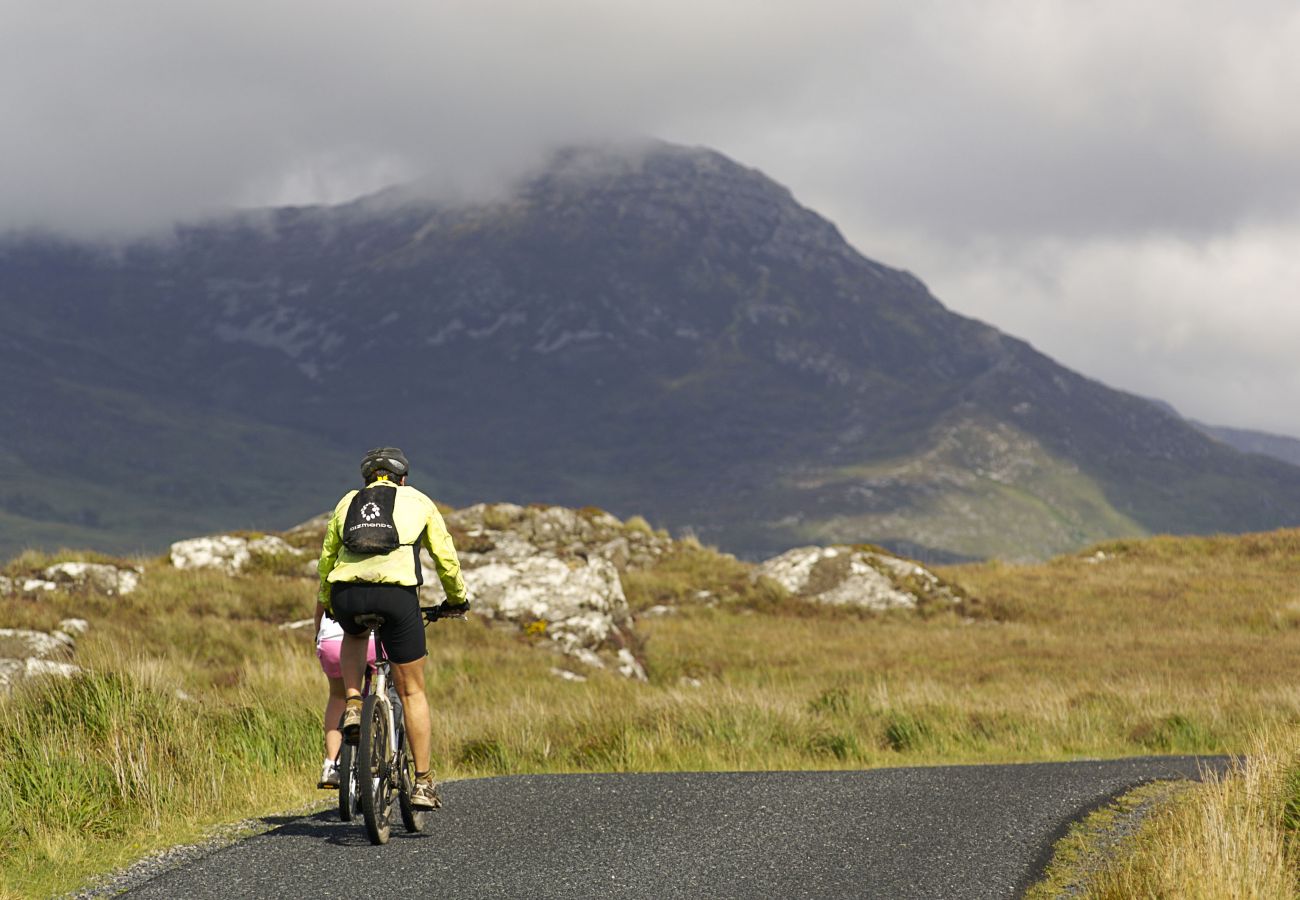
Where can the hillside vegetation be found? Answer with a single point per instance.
(198, 709)
(673, 332)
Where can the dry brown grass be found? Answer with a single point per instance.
(1230, 837)
(1168, 645)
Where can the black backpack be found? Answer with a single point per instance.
(368, 527)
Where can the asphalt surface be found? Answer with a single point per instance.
(940, 832)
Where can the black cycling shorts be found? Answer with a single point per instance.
(402, 633)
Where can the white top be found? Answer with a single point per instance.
(329, 630)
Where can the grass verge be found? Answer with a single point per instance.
(198, 709)
(1232, 836)
(1101, 841)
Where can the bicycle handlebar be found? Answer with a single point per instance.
(434, 613)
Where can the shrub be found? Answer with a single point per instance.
(905, 732)
(833, 700)
(1173, 733)
(484, 754)
(638, 523)
(838, 745)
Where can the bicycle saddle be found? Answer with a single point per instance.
(370, 620)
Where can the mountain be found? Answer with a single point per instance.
(1246, 440)
(654, 330)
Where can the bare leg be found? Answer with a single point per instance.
(352, 660)
(409, 680)
(333, 710)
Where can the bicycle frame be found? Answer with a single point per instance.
(385, 775)
(384, 689)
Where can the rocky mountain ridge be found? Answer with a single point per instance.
(656, 330)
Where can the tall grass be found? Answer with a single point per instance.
(193, 710)
(108, 764)
(1164, 646)
(1233, 836)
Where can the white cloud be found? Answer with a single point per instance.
(1091, 176)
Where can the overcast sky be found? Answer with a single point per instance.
(1116, 181)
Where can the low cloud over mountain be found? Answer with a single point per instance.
(655, 330)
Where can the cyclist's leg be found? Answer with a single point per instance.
(408, 678)
(352, 660)
(327, 651)
(403, 637)
(349, 600)
(333, 710)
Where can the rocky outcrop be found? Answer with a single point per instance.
(98, 577)
(24, 585)
(28, 654)
(227, 552)
(861, 577)
(313, 527)
(75, 576)
(554, 573)
(550, 571)
(19, 643)
(507, 531)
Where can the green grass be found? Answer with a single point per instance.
(113, 764)
(692, 575)
(1228, 836)
(1102, 841)
(1164, 645)
(984, 490)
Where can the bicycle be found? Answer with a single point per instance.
(380, 769)
(348, 799)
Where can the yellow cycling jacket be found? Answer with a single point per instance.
(418, 524)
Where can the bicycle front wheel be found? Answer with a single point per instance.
(348, 800)
(374, 775)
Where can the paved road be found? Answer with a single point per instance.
(941, 832)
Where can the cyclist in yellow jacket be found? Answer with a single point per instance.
(353, 583)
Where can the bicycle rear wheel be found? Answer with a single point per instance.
(375, 780)
(348, 799)
(413, 817)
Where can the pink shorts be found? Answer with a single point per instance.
(328, 653)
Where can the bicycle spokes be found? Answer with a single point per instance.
(373, 761)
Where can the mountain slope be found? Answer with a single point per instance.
(656, 331)
(1277, 446)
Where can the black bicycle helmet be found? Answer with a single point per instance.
(389, 459)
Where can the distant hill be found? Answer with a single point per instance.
(654, 330)
(1277, 446)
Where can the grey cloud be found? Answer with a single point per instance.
(1207, 325)
(958, 140)
(135, 115)
(1003, 117)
